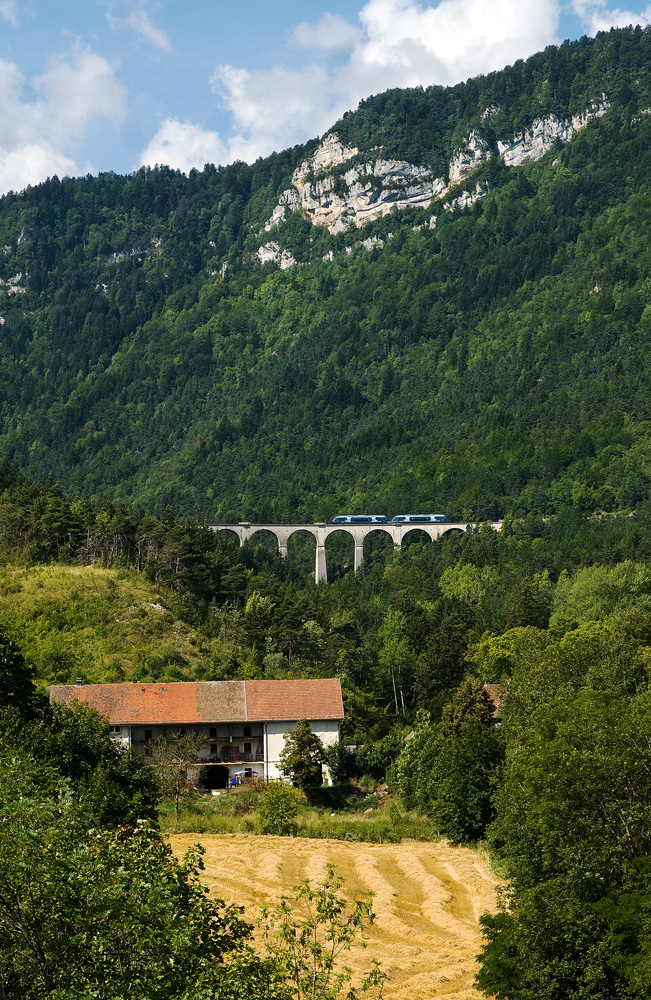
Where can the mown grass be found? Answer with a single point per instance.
(103, 625)
(354, 818)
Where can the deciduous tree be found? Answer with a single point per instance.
(90, 912)
(307, 936)
(175, 762)
(302, 755)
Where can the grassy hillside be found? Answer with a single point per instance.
(102, 625)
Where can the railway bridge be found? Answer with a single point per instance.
(320, 531)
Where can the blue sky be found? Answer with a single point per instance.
(90, 85)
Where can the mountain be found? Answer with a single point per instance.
(442, 304)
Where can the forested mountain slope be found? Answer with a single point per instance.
(264, 342)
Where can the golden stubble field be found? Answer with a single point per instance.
(427, 899)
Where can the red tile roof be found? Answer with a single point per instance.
(281, 700)
(497, 694)
(208, 701)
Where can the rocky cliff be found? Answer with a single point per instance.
(372, 185)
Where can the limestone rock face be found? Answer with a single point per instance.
(544, 132)
(373, 187)
(288, 202)
(369, 189)
(13, 285)
(473, 152)
(331, 153)
(271, 253)
(364, 192)
(466, 198)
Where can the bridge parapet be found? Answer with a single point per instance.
(283, 532)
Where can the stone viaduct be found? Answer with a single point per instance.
(283, 533)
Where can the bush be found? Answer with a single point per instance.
(376, 758)
(279, 810)
(341, 763)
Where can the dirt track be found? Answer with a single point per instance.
(428, 897)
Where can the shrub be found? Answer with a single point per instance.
(279, 809)
(375, 758)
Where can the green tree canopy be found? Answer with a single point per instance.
(302, 756)
(115, 787)
(18, 697)
(87, 911)
(574, 817)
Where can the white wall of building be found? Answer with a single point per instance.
(274, 740)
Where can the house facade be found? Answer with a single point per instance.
(242, 722)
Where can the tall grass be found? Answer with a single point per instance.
(237, 811)
(104, 625)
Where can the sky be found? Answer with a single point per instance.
(94, 85)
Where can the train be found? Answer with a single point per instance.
(419, 519)
(398, 519)
(360, 519)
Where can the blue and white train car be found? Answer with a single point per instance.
(360, 519)
(419, 519)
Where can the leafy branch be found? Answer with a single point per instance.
(306, 936)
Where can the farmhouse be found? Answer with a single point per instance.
(242, 722)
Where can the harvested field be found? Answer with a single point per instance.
(428, 898)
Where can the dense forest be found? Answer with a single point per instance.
(155, 377)
(493, 365)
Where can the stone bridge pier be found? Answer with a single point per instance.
(320, 531)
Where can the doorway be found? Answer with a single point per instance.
(215, 776)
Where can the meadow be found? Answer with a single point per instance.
(427, 899)
(104, 625)
(351, 814)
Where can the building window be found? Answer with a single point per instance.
(116, 730)
(247, 730)
(213, 734)
(181, 732)
(247, 748)
(213, 748)
(148, 734)
(149, 752)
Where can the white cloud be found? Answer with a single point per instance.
(141, 23)
(447, 42)
(595, 16)
(331, 32)
(9, 11)
(275, 108)
(184, 145)
(38, 131)
(32, 163)
(73, 93)
(400, 43)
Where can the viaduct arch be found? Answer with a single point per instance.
(283, 532)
